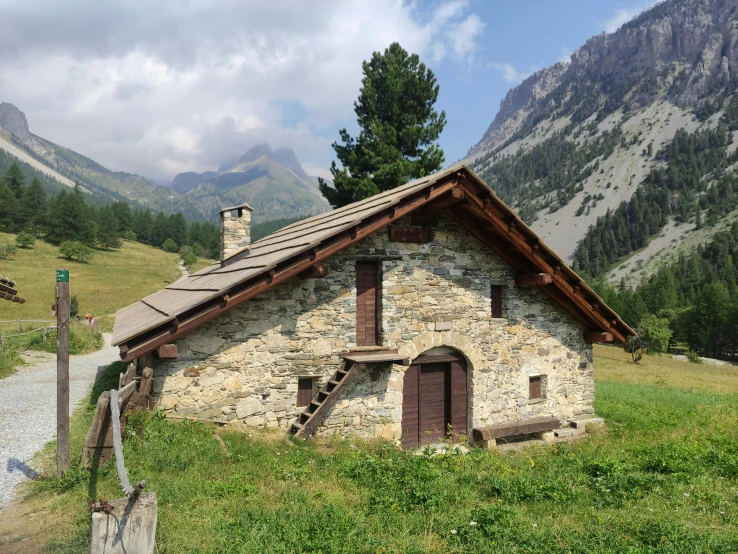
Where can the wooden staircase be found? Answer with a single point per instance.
(310, 419)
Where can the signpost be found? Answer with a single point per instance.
(62, 371)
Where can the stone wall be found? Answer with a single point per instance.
(245, 365)
(235, 231)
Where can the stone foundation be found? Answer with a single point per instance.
(245, 365)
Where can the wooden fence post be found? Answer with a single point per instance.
(62, 371)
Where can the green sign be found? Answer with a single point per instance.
(62, 275)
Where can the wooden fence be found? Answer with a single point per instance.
(44, 331)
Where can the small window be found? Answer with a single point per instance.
(536, 386)
(304, 391)
(496, 295)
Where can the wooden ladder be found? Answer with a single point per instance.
(311, 418)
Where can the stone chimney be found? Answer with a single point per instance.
(235, 233)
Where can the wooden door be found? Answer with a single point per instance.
(434, 397)
(366, 303)
(434, 406)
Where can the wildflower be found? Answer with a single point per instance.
(607, 490)
(686, 494)
(535, 525)
(453, 531)
(472, 523)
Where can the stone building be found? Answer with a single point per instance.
(426, 310)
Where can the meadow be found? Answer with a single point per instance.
(660, 477)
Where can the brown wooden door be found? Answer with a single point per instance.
(434, 397)
(366, 303)
(434, 405)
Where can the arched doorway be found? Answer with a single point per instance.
(434, 398)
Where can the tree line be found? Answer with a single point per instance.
(694, 300)
(66, 217)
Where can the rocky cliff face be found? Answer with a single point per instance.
(686, 50)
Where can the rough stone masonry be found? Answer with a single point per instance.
(244, 366)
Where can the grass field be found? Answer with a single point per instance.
(113, 279)
(661, 477)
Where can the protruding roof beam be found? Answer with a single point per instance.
(532, 279)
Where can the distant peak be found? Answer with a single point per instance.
(14, 121)
(255, 152)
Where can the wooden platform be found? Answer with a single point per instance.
(375, 356)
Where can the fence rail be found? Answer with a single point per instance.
(43, 330)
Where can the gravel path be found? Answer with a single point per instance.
(28, 410)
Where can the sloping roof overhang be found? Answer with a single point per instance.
(192, 301)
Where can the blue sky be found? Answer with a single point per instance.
(519, 38)
(191, 84)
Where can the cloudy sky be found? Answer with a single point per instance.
(158, 88)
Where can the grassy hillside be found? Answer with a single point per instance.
(661, 477)
(113, 279)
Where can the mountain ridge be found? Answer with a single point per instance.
(599, 124)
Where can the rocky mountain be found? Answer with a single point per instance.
(580, 148)
(66, 167)
(274, 183)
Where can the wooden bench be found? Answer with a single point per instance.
(487, 436)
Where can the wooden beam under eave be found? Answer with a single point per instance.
(533, 279)
(455, 196)
(317, 271)
(167, 352)
(598, 336)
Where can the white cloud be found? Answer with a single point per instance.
(509, 73)
(189, 84)
(565, 56)
(624, 15)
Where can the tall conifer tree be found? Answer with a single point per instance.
(399, 129)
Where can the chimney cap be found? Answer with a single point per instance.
(244, 205)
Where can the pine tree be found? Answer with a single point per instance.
(123, 216)
(399, 129)
(8, 208)
(70, 219)
(160, 229)
(34, 208)
(15, 179)
(107, 233)
(177, 229)
(143, 225)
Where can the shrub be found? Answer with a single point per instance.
(188, 256)
(7, 251)
(656, 333)
(75, 250)
(73, 306)
(25, 240)
(693, 357)
(198, 250)
(129, 235)
(82, 340)
(169, 246)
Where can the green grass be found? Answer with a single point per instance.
(662, 477)
(112, 280)
(9, 360)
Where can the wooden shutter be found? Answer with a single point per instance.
(459, 399)
(366, 303)
(534, 387)
(410, 406)
(304, 391)
(496, 294)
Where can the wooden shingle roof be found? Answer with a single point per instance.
(192, 301)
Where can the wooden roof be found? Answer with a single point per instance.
(192, 301)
